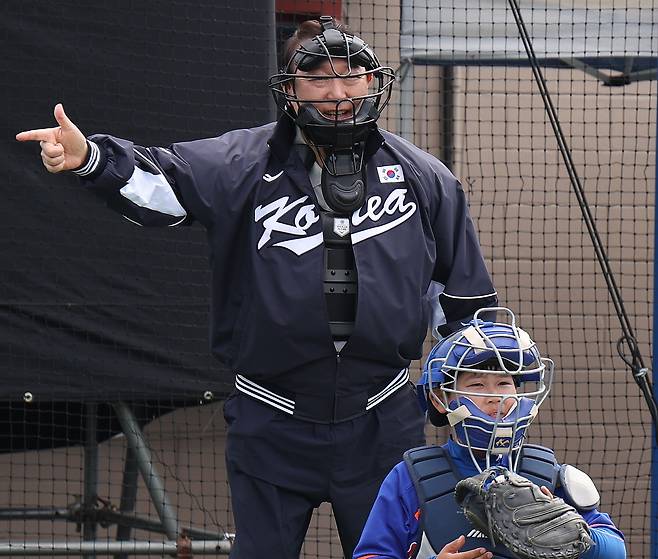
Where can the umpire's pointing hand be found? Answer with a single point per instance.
(63, 147)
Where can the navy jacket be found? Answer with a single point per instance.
(415, 247)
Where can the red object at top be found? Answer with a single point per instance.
(320, 7)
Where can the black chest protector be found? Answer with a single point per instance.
(340, 279)
(435, 476)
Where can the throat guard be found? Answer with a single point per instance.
(344, 189)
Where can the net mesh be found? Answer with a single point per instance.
(67, 469)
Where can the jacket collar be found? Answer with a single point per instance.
(283, 138)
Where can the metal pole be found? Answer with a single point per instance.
(23, 549)
(406, 112)
(90, 473)
(128, 496)
(106, 517)
(272, 54)
(654, 452)
(447, 118)
(152, 480)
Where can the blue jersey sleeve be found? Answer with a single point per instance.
(607, 545)
(608, 539)
(392, 528)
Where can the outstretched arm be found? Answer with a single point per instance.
(63, 147)
(135, 185)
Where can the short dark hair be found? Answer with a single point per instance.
(306, 30)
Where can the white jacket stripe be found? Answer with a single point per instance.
(399, 381)
(261, 393)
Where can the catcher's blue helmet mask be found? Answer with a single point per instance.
(491, 348)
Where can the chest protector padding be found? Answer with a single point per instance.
(435, 476)
(538, 464)
(340, 277)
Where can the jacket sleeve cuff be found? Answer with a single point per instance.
(94, 163)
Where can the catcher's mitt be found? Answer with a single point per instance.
(514, 512)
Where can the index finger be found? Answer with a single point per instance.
(476, 553)
(40, 134)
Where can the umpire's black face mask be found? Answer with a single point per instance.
(334, 89)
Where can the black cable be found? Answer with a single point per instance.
(636, 363)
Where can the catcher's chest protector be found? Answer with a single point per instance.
(442, 520)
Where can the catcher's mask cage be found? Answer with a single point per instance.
(338, 132)
(487, 348)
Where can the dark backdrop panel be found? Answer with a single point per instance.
(93, 307)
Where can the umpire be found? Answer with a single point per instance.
(334, 244)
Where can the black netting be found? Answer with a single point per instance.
(103, 325)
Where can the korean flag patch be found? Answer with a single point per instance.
(390, 173)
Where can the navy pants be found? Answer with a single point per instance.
(281, 468)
